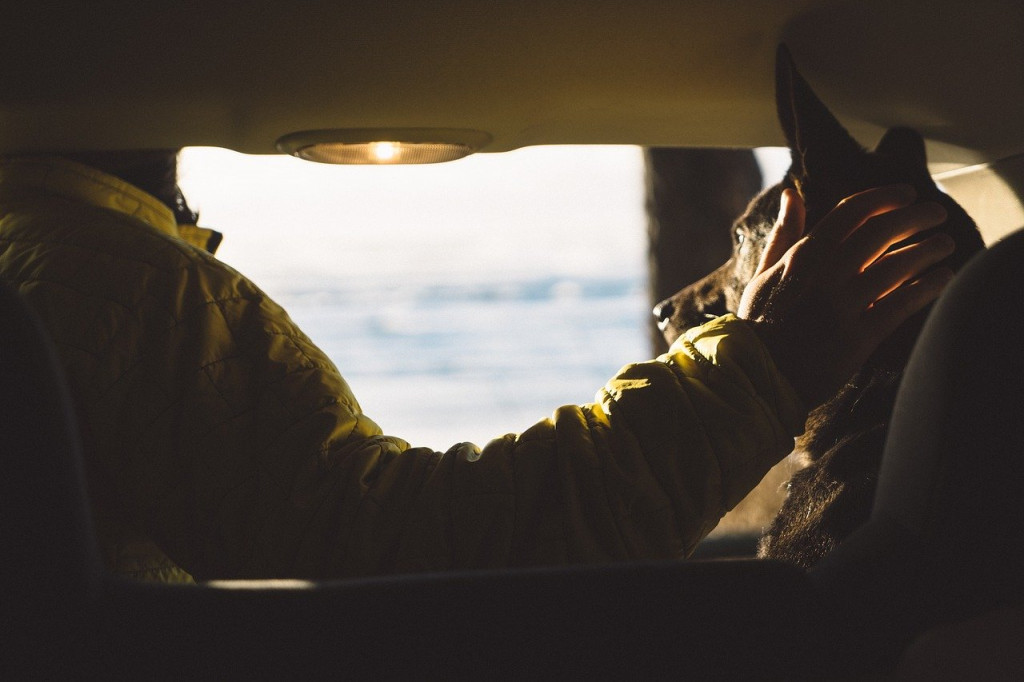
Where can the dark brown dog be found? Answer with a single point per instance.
(843, 441)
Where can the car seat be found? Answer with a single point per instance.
(945, 541)
(50, 568)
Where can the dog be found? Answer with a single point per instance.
(843, 441)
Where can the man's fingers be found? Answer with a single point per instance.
(896, 267)
(788, 229)
(890, 312)
(880, 233)
(857, 209)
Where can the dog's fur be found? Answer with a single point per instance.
(843, 441)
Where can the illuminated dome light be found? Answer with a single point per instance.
(383, 152)
(383, 146)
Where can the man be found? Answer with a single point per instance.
(221, 442)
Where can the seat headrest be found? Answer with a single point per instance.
(953, 467)
(945, 536)
(45, 522)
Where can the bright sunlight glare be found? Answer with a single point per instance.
(384, 151)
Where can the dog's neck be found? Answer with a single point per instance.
(865, 401)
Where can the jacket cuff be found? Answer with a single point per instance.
(731, 344)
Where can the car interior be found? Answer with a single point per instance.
(371, 82)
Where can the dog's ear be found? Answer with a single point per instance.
(904, 144)
(817, 141)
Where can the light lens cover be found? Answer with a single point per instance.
(384, 152)
(386, 146)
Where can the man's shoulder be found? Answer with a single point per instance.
(104, 252)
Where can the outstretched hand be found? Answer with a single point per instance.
(823, 302)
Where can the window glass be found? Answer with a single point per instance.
(460, 301)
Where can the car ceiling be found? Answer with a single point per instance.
(119, 75)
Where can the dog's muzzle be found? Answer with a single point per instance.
(663, 312)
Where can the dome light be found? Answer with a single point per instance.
(385, 146)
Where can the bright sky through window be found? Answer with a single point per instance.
(462, 300)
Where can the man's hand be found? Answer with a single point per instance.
(822, 303)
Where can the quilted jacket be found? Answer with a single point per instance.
(222, 443)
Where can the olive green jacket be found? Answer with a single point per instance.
(222, 443)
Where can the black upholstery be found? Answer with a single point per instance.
(954, 462)
(719, 620)
(946, 535)
(50, 569)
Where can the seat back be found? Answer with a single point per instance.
(50, 562)
(946, 535)
(953, 470)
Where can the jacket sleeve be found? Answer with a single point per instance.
(644, 472)
(245, 454)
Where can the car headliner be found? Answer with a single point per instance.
(651, 72)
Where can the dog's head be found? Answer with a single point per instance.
(827, 166)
